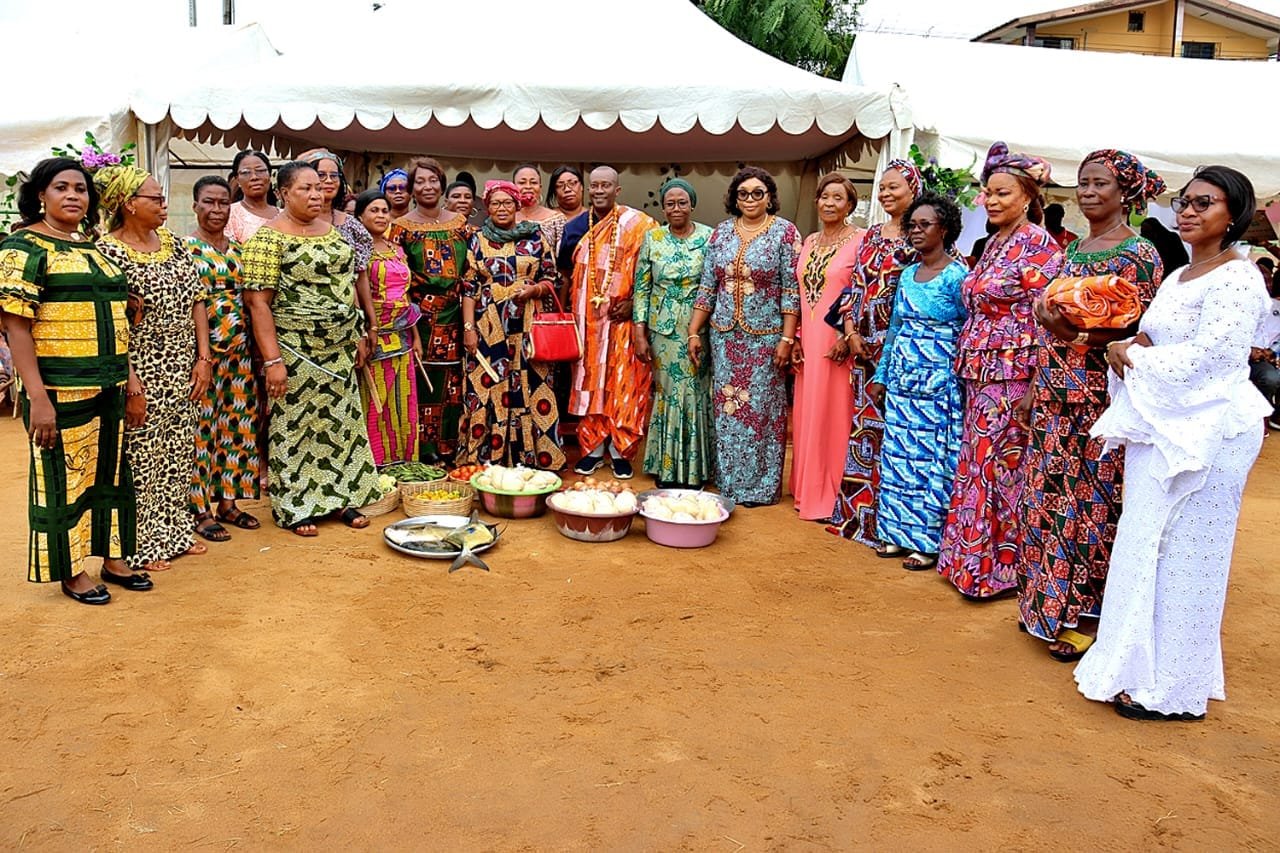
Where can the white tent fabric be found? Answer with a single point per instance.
(69, 99)
(653, 82)
(1062, 104)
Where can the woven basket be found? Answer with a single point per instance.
(382, 505)
(415, 506)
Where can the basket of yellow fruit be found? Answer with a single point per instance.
(438, 498)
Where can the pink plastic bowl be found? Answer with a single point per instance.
(682, 534)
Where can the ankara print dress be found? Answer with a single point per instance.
(226, 462)
(162, 350)
(1072, 497)
(319, 455)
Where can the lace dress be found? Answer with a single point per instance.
(1190, 423)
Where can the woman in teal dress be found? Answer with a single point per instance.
(916, 387)
(680, 445)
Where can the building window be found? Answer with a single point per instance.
(1199, 50)
(1137, 21)
(1055, 42)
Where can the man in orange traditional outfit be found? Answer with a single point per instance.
(612, 389)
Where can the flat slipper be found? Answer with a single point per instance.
(210, 529)
(1078, 642)
(198, 549)
(918, 561)
(1131, 710)
(240, 519)
(350, 516)
(885, 551)
(306, 522)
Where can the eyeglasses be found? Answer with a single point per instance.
(677, 204)
(1200, 203)
(158, 199)
(921, 224)
(397, 188)
(330, 176)
(253, 173)
(503, 203)
(754, 195)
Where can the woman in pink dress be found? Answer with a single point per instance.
(823, 406)
(254, 201)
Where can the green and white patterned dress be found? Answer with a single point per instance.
(680, 443)
(319, 453)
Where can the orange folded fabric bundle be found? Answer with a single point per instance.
(1095, 301)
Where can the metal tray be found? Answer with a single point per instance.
(444, 521)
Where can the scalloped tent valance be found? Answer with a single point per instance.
(656, 80)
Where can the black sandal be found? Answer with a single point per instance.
(1131, 710)
(240, 519)
(306, 522)
(350, 516)
(213, 531)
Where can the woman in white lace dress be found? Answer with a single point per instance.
(1188, 418)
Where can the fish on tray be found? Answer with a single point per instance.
(430, 537)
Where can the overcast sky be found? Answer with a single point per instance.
(955, 18)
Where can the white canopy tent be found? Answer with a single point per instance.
(1176, 114)
(661, 85)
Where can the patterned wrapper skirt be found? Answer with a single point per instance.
(393, 433)
(320, 458)
(440, 390)
(854, 514)
(1071, 509)
(81, 490)
(680, 447)
(161, 455)
(227, 465)
(750, 400)
(514, 420)
(979, 551)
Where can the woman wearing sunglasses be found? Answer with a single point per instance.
(1183, 409)
(171, 357)
(750, 296)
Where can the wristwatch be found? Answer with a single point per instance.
(468, 327)
(1081, 339)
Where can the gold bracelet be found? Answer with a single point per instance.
(787, 340)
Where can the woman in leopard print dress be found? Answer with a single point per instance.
(169, 351)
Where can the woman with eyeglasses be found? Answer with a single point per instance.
(680, 442)
(1073, 486)
(551, 221)
(254, 199)
(565, 192)
(227, 466)
(979, 552)
(750, 297)
(1189, 420)
(394, 186)
(823, 407)
(299, 284)
(861, 317)
(63, 304)
(170, 352)
(916, 387)
(434, 239)
(510, 415)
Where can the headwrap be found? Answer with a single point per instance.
(678, 184)
(1023, 165)
(116, 185)
(315, 155)
(491, 187)
(912, 174)
(1137, 182)
(386, 179)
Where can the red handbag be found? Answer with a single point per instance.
(554, 335)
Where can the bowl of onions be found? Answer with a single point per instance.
(589, 513)
(682, 518)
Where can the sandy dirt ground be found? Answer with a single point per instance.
(781, 690)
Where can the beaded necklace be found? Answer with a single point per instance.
(600, 288)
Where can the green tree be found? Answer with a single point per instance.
(816, 35)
